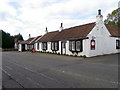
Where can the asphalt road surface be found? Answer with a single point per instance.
(37, 70)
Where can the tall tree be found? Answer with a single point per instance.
(7, 41)
(113, 18)
(19, 36)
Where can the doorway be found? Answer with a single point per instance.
(63, 47)
(23, 47)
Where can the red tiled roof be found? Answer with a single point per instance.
(48, 36)
(29, 40)
(75, 32)
(114, 30)
(34, 40)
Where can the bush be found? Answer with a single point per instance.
(58, 53)
(80, 55)
(75, 55)
(71, 55)
(84, 56)
(67, 54)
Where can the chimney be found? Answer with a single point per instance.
(46, 30)
(99, 17)
(99, 12)
(29, 36)
(61, 27)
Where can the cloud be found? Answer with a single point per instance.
(32, 16)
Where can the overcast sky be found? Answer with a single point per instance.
(33, 16)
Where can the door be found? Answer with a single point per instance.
(63, 47)
(23, 47)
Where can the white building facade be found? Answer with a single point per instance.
(91, 39)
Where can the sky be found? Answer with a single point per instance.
(33, 16)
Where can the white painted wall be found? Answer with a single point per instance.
(104, 43)
(40, 47)
(85, 48)
(20, 47)
(26, 47)
(49, 47)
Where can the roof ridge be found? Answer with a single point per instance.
(80, 25)
(53, 31)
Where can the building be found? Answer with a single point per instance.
(28, 44)
(90, 39)
(44, 43)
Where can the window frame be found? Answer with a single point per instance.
(117, 44)
(78, 46)
(44, 45)
(71, 45)
(55, 46)
(38, 47)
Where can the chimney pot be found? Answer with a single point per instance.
(29, 36)
(46, 30)
(61, 27)
(99, 12)
(61, 24)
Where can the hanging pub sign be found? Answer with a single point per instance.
(16, 40)
(92, 44)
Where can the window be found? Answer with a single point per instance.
(75, 46)
(78, 44)
(54, 46)
(70, 45)
(38, 46)
(117, 44)
(44, 45)
(63, 44)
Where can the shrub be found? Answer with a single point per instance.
(71, 55)
(55, 52)
(58, 53)
(80, 55)
(75, 55)
(67, 54)
(84, 56)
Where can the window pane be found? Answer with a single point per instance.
(117, 44)
(52, 45)
(55, 45)
(78, 44)
(63, 45)
(73, 45)
(37, 45)
(44, 45)
(70, 45)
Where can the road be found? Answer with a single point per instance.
(38, 70)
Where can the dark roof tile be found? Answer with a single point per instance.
(75, 32)
(114, 30)
(48, 36)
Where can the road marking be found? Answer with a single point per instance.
(65, 72)
(11, 77)
(9, 68)
(34, 71)
(38, 84)
(80, 75)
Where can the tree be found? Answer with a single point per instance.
(7, 41)
(113, 18)
(19, 37)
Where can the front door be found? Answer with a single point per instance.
(23, 47)
(63, 47)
